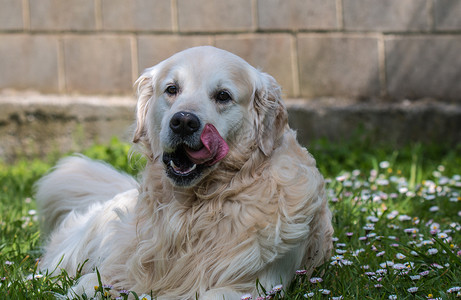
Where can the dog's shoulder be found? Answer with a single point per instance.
(295, 173)
(291, 157)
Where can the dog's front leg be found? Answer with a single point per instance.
(85, 285)
(221, 294)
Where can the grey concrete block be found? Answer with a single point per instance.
(388, 15)
(11, 15)
(297, 14)
(214, 16)
(29, 62)
(396, 123)
(98, 64)
(152, 49)
(338, 66)
(62, 15)
(34, 125)
(424, 66)
(448, 14)
(137, 15)
(272, 53)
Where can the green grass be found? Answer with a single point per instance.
(413, 189)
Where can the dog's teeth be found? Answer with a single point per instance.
(178, 170)
(174, 166)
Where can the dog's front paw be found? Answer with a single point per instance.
(221, 294)
(87, 285)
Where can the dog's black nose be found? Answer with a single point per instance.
(184, 123)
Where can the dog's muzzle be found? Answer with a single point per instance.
(187, 162)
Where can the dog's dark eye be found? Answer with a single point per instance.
(171, 90)
(223, 96)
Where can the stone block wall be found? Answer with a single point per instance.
(393, 49)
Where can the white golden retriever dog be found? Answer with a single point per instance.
(228, 195)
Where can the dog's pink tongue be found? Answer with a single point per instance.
(214, 147)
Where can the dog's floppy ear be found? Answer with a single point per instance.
(145, 92)
(269, 113)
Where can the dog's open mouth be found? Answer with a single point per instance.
(186, 164)
(180, 168)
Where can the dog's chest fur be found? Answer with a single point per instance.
(215, 235)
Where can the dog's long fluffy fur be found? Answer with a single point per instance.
(260, 213)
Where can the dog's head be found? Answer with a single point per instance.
(195, 105)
